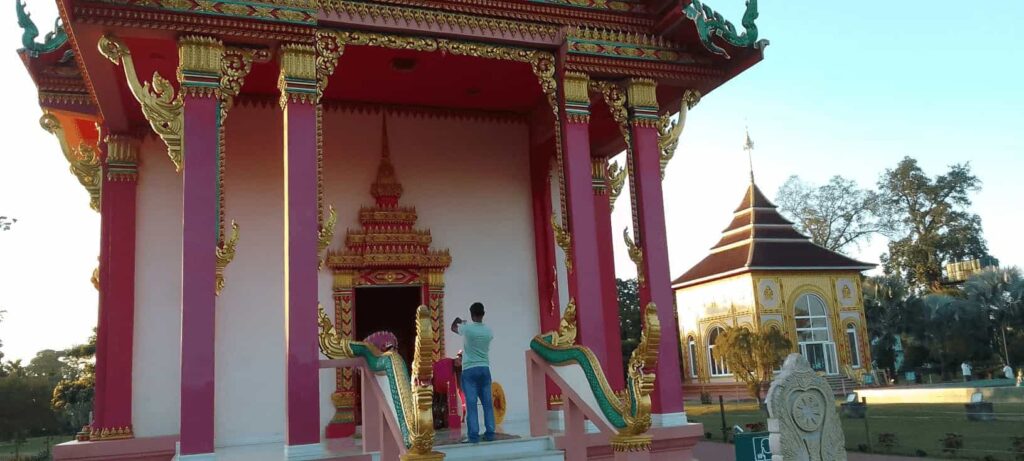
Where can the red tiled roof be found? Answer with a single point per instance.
(759, 238)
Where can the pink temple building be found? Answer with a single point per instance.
(253, 159)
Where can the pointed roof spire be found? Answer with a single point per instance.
(385, 151)
(386, 188)
(749, 147)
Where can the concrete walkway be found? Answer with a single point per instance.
(713, 451)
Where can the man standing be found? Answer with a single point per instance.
(476, 371)
(965, 368)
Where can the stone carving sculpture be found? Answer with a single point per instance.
(802, 419)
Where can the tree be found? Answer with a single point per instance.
(73, 396)
(48, 364)
(752, 357)
(2, 373)
(928, 221)
(835, 215)
(629, 317)
(1000, 294)
(952, 330)
(889, 311)
(24, 408)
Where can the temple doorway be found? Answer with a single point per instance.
(388, 308)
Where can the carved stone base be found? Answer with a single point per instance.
(631, 443)
(432, 456)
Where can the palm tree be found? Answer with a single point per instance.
(1000, 293)
(891, 313)
(14, 368)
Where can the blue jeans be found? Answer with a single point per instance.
(476, 383)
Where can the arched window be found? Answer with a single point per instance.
(812, 333)
(716, 363)
(692, 350)
(851, 336)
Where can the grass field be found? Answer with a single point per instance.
(31, 446)
(916, 427)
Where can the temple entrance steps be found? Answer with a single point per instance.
(531, 448)
(841, 384)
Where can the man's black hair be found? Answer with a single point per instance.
(477, 309)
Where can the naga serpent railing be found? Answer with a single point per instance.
(411, 398)
(628, 412)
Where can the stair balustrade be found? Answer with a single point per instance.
(623, 418)
(397, 409)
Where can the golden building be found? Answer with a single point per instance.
(763, 273)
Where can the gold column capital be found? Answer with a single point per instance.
(577, 97)
(122, 157)
(642, 99)
(297, 80)
(599, 175)
(199, 64)
(641, 93)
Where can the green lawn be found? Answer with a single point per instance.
(32, 446)
(916, 426)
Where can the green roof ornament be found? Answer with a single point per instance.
(710, 23)
(52, 41)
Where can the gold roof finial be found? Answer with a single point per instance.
(749, 147)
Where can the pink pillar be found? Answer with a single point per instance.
(544, 245)
(650, 208)
(302, 385)
(116, 326)
(198, 272)
(585, 278)
(606, 258)
(100, 388)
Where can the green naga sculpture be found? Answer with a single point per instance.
(51, 41)
(710, 23)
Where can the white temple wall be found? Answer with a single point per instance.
(250, 373)
(156, 350)
(469, 181)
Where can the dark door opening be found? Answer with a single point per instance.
(389, 309)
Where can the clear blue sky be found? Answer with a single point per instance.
(845, 88)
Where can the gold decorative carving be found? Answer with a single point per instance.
(95, 279)
(566, 334)
(161, 107)
(640, 372)
(326, 232)
(616, 179)
(669, 131)
(329, 49)
(636, 254)
(111, 433)
(235, 65)
(628, 443)
(83, 161)
(297, 80)
(440, 18)
(564, 241)
(226, 254)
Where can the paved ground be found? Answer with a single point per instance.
(713, 451)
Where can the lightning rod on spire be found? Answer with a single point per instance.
(749, 147)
